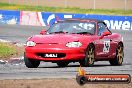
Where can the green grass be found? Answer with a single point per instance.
(8, 50)
(5, 6)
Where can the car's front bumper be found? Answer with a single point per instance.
(64, 53)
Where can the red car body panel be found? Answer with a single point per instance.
(56, 44)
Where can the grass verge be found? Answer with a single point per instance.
(8, 50)
(6, 6)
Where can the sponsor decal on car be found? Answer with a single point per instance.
(106, 46)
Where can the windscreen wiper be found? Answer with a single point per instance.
(84, 33)
(59, 32)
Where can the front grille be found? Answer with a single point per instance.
(51, 55)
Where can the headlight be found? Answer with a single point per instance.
(74, 44)
(31, 43)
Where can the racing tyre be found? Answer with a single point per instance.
(62, 64)
(31, 63)
(89, 58)
(119, 56)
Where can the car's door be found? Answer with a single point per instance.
(103, 44)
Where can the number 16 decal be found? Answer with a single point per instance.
(106, 46)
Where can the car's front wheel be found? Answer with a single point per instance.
(89, 57)
(31, 63)
(119, 55)
(62, 64)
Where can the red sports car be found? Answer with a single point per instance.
(75, 40)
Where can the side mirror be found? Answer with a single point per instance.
(43, 32)
(106, 33)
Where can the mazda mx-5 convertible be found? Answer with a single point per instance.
(74, 40)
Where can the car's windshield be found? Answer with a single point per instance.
(72, 28)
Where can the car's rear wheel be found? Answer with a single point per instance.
(62, 64)
(89, 57)
(119, 55)
(31, 63)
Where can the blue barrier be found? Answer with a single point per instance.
(9, 17)
(113, 22)
(48, 18)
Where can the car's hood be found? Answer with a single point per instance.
(59, 38)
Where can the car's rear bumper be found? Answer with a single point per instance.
(65, 54)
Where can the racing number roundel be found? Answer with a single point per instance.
(106, 46)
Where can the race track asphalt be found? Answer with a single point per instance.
(16, 33)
